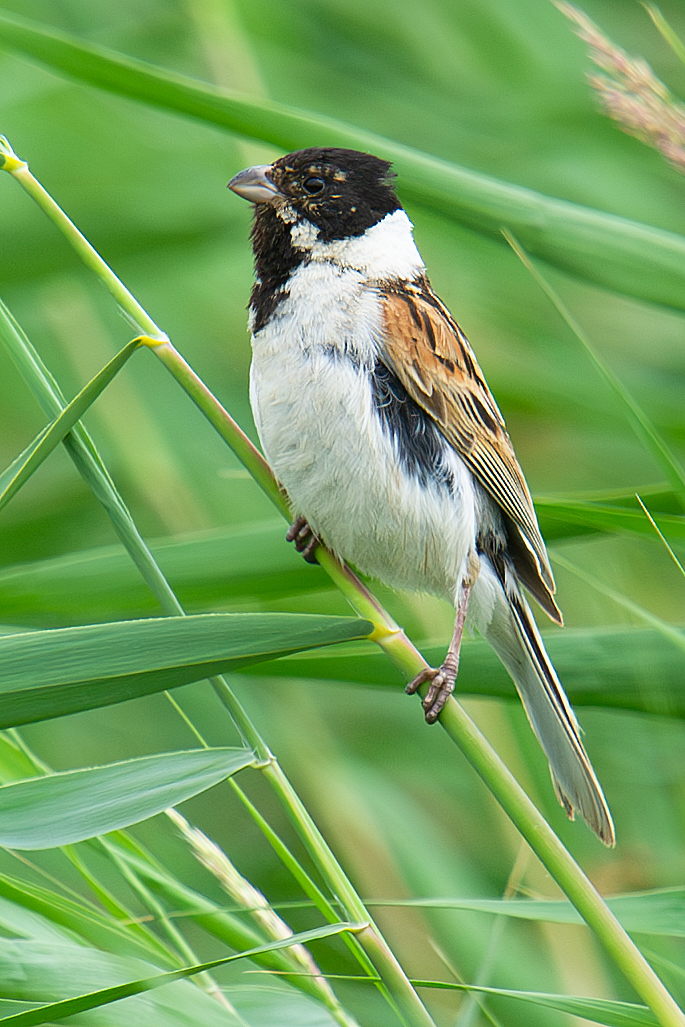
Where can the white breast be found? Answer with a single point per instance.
(310, 388)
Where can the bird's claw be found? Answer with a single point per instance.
(441, 687)
(305, 540)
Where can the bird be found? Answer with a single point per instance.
(377, 421)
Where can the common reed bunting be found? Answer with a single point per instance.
(377, 420)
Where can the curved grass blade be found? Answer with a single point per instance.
(42, 966)
(60, 809)
(661, 911)
(229, 928)
(47, 674)
(105, 996)
(85, 456)
(598, 1010)
(632, 258)
(21, 469)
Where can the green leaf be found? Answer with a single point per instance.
(105, 996)
(60, 809)
(78, 918)
(223, 566)
(21, 469)
(661, 911)
(633, 258)
(598, 1010)
(53, 967)
(47, 674)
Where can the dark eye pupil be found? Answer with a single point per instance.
(313, 185)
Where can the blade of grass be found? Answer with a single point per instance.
(82, 451)
(657, 529)
(60, 809)
(624, 255)
(641, 424)
(673, 40)
(120, 912)
(599, 517)
(172, 932)
(45, 674)
(21, 469)
(609, 1012)
(661, 911)
(96, 999)
(602, 1011)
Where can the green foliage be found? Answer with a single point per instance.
(60, 809)
(49, 674)
(486, 113)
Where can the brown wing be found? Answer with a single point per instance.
(426, 349)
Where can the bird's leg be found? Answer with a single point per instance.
(442, 680)
(304, 538)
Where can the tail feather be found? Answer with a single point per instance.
(514, 635)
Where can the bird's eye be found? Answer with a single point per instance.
(313, 185)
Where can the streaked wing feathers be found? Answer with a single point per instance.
(426, 349)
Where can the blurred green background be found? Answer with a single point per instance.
(498, 87)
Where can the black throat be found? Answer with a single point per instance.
(275, 260)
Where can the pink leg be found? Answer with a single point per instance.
(304, 538)
(442, 680)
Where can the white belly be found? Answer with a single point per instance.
(325, 442)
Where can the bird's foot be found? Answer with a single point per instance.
(441, 687)
(442, 680)
(304, 538)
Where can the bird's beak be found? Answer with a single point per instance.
(254, 185)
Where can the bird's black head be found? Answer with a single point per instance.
(342, 192)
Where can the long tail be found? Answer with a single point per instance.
(514, 636)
